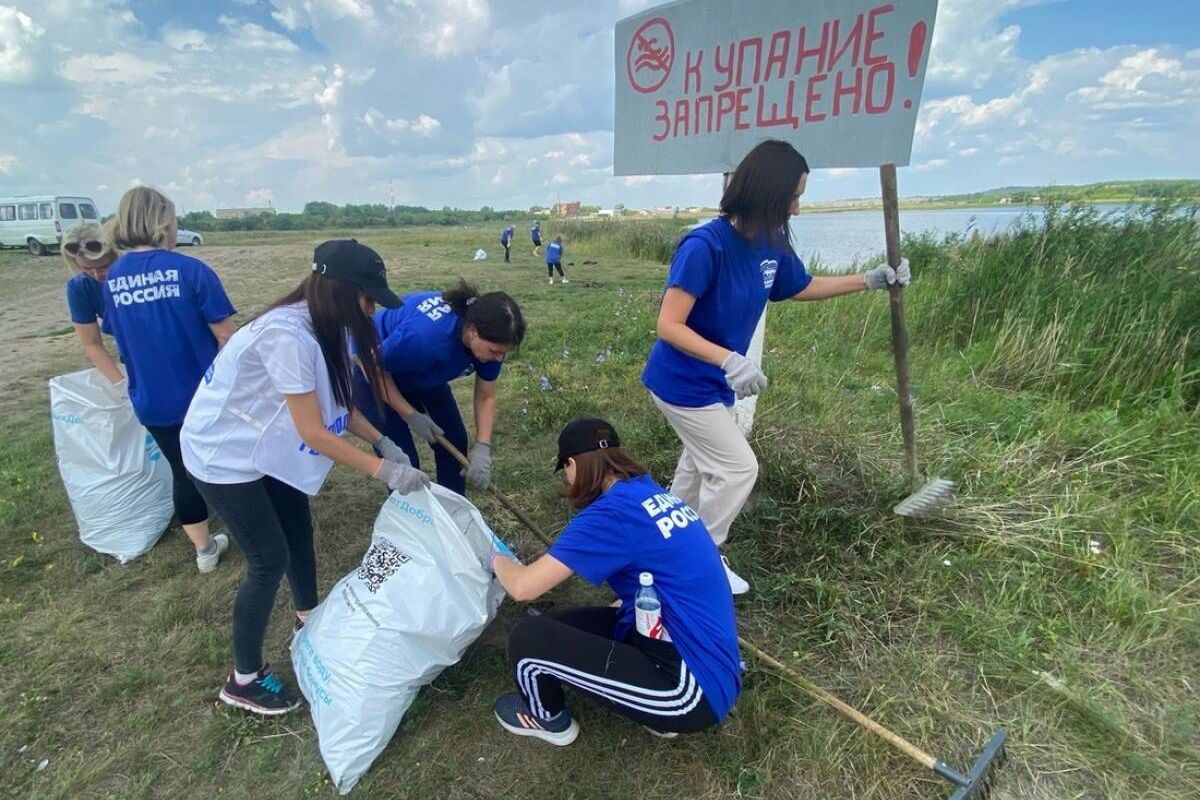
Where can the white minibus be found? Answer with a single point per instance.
(38, 221)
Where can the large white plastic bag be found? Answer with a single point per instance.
(418, 600)
(116, 478)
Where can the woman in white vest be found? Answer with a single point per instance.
(263, 431)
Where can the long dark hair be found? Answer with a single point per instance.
(496, 316)
(760, 193)
(593, 469)
(334, 308)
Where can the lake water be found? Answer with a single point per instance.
(843, 238)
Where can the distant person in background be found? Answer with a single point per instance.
(429, 341)
(535, 235)
(506, 240)
(554, 257)
(170, 316)
(89, 255)
(722, 275)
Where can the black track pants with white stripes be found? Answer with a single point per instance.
(642, 679)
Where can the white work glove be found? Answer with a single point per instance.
(499, 550)
(884, 276)
(743, 375)
(390, 451)
(423, 425)
(479, 473)
(402, 478)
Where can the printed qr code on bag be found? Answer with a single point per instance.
(380, 563)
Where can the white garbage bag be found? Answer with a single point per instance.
(480, 254)
(418, 600)
(116, 478)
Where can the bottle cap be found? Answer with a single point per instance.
(646, 579)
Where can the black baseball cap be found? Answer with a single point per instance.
(584, 436)
(347, 260)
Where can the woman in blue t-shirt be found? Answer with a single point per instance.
(431, 339)
(170, 315)
(680, 676)
(721, 278)
(89, 256)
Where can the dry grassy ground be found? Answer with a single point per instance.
(1001, 615)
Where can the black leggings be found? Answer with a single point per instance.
(271, 523)
(554, 265)
(642, 679)
(189, 505)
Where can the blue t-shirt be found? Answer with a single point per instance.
(535, 233)
(635, 527)
(554, 252)
(85, 301)
(420, 344)
(159, 304)
(506, 236)
(732, 279)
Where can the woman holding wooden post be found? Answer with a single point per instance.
(721, 278)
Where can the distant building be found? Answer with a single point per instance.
(568, 209)
(605, 212)
(242, 213)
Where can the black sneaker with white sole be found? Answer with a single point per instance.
(266, 694)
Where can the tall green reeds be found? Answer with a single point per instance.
(1099, 308)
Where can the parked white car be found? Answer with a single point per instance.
(38, 221)
(185, 237)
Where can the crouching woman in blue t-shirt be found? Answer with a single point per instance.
(684, 676)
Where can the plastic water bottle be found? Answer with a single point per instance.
(647, 609)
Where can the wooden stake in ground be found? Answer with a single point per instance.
(937, 492)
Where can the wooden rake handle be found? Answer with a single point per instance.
(816, 692)
(504, 501)
(787, 673)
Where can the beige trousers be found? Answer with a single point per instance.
(717, 469)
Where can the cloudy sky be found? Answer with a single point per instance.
(509, 103)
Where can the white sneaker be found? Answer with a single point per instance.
(737, 584)
(552, 281)
(207, 563)
(564, 280)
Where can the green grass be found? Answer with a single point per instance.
(1055, 380)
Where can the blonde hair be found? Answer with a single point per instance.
(89, 232)
(145, 217)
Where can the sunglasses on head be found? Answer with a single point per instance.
(92, 246)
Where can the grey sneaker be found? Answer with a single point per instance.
(207, 562)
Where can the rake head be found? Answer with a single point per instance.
(927, 499)
(977, 784)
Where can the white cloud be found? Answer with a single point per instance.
(187, 40)
(253, 36)
(1142, 80)
(117, 68)
(970, 47)
(259, 197)
(18, 35)
(423, 125)
(8, 163)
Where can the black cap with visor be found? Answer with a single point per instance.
(583, 436)
(347, 260)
